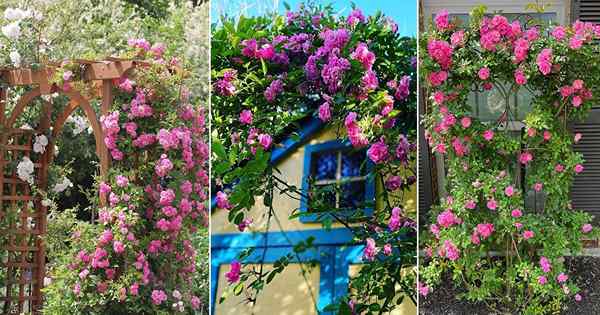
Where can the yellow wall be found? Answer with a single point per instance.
(292, 171)
(288, 294)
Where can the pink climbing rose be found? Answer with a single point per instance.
(395, 219)
(562, 277)
(447, 219)
(378, 152)
(545, 264)
(370, 250)
(233, 275)
(525, 158)
(528, 234)
(488, 135)
(484, 73)
(544, 61)
(158, 297)
(325, 112)
(509, 191)
(246, 117)
(485, 229)
(442, 21)
(451, 250)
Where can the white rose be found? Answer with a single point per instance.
(16, 14)
(62, 186)
(25, 170)
(15, 58)
(12, 30)
(40, 144)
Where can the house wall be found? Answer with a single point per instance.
(289, 293)
(292, 171)
(430, 7)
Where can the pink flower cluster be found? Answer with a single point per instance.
(226, 86)
(576, 92)
(441, 51)
(483, 230)
(233, 275)
(371, 250)
(150, 214)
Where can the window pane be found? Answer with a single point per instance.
(351, 164)
(324, 166)
(492, 104)
(353, 194)
(524, 98)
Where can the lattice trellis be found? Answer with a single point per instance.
(22, 222)
(22, 215)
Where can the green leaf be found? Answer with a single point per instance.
(264, 67)
(218, 149)
(237, 290)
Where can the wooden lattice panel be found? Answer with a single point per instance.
(22, 222)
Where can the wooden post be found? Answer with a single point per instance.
(3, 97)
(103, 155)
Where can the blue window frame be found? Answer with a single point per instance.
(332, 252)
(343, 173)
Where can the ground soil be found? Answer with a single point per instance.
(584, 270)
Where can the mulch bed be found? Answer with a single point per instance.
(584, 270)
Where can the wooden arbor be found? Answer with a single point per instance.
(22, 214)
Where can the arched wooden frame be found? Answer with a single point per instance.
(99, 73)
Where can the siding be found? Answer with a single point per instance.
(585, 192)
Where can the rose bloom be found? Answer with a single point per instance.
(484, 73)
(517, 213)
(528, 234)
(465, 122)
(246, 117)
(561, 278)
(586, 228)
(378, 152)
(488, 135)
(509, 191)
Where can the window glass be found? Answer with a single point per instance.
(341, 177)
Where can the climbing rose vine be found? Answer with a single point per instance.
(140, 257)
(354, 74)
(507, 220)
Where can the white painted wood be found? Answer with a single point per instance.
(562, 8)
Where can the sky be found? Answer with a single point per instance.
(404, 12)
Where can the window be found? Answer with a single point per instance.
(489, 106)
(337, 176)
